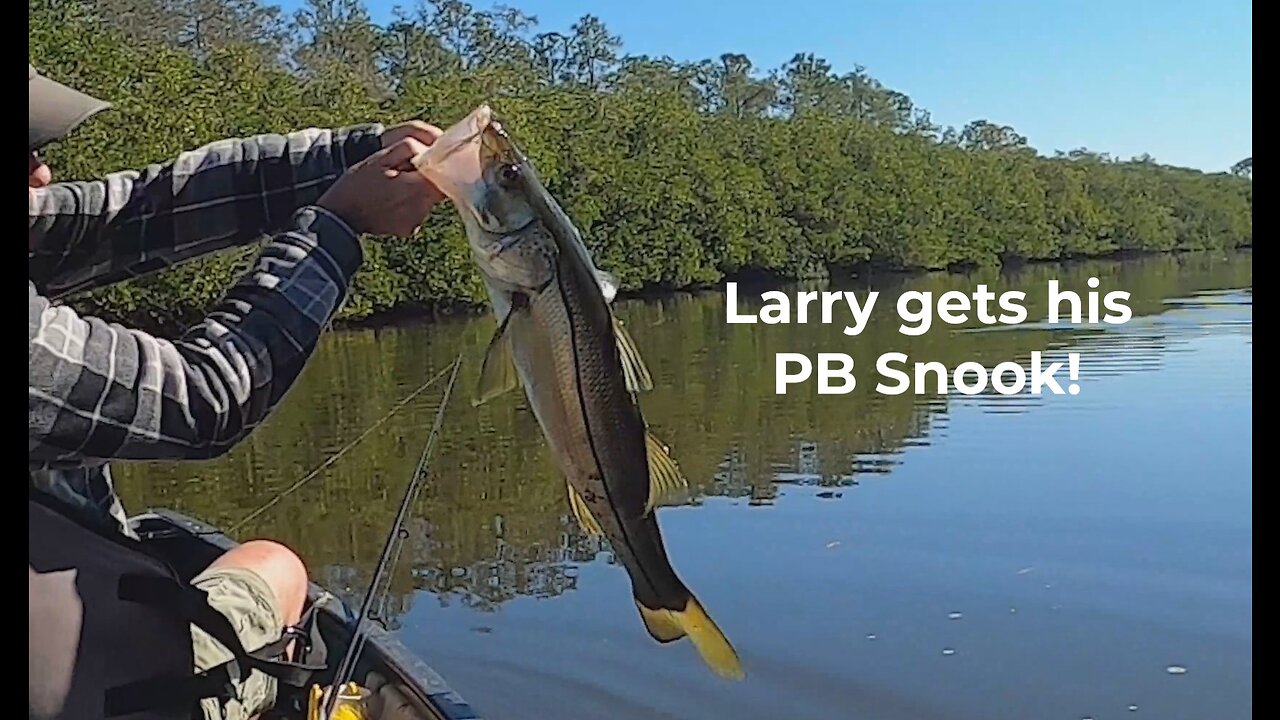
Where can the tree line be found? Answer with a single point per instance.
(679, 174)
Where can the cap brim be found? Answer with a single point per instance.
(56, 110)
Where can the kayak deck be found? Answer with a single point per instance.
(407, 687)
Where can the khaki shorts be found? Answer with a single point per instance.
(247, 601)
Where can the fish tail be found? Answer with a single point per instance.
(693, 622)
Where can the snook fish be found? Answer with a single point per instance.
(557, 336)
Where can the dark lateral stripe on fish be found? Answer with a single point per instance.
(591, 442)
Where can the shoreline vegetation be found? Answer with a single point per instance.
(408, 315)
(680, 175)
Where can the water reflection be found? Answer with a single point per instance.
(494, 524)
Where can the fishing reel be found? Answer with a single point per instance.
(353, 703)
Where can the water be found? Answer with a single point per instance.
(869, 556)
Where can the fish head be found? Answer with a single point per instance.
(515, 227)
(500, 199)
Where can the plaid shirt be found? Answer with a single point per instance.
(98, 391)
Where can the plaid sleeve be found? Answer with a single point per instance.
(99, 391)
(83, 235)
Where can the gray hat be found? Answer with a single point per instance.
(55, 109)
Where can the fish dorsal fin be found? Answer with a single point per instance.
(633, 368)
(498, 372)
(582, 513)
(608, 285)
(665, 480)
(634, 371)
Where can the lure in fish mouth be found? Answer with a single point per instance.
(557, 337)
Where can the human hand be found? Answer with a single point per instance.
(424, 133)
(384, 194)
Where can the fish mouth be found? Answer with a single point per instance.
(455, 163)
(446, 162)
(466, 160)
(455, 138)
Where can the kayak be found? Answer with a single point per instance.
(407, 688)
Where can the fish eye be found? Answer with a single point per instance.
(509, 174)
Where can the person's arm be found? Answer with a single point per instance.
(85, 235)
(98, 390)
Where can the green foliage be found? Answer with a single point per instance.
(678, 174)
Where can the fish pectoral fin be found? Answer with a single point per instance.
(498, 372)
(665, 478)
(633, 368)
(694, 622)
(583, 514)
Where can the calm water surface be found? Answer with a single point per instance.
(869, 556)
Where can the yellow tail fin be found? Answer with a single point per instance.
(694, 622)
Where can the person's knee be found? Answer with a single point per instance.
(279, 566)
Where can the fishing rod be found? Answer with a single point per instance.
(387, 560)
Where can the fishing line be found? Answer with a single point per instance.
(334, 458)
(389, 557)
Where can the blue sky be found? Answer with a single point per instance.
(1168, 77)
